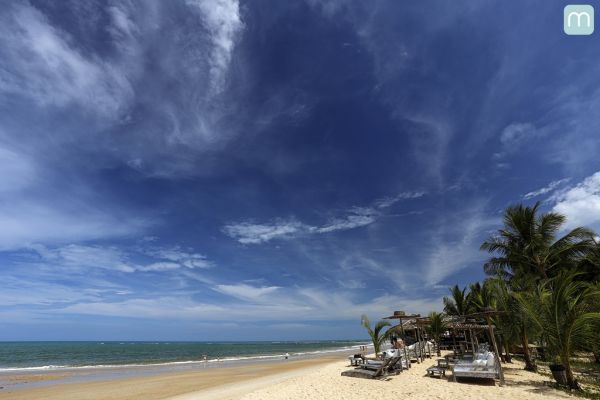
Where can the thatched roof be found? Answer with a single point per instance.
(467, 326)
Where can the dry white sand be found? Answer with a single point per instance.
(327, 383)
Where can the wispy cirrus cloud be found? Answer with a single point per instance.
(455, 244)
(251, 233)
(247, 292)
(84, 258)
(286, 304)
(223, 22)
(355, 217)
(390, 201)
(547, 189)
(40, 64)
(517, 133)
(32, 209)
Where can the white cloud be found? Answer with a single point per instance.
(513, 137)
(181, 257)
(32, 210)
(358, 216)
(283, 305)
(83, 258)
(581, 203)
(223, 22)
(39, 63)
(355, 217)
(249, 233)
(16, 292)
(455, 245)
(551, 186)
(517, 133)
(390, 201)
(246, 292)
(159, 266)
(37, 220)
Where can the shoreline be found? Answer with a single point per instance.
(317, 378)
(167, 384)
(27, 382)
(210, 361)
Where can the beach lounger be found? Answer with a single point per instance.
(373, 370)
(483, 368)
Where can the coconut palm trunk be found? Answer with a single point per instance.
(506, 346)
(529, 363)
(571, 381)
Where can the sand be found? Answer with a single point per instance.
(302, 379)
(327, 383)
(218, 381)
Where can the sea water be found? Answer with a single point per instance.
(28, 356)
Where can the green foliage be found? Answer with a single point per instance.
(437, 327)
(481, 296)
(377, 336)
(528, 245)
(458, 303)
(589, 267)
(563, 309)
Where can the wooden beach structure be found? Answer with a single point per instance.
(402, 316)
(487, 314)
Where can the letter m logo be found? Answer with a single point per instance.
(579, 19)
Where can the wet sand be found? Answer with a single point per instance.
(168, 384)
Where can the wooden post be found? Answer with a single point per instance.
(404, 347)
(497, 358)
(418, 344)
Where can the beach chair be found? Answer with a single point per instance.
(373, 370)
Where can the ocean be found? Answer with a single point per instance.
(29, 356)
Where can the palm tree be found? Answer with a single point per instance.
(527, 251)
(528, 244)
(458, 303)
(436, 328)
(481, 297)
(495, 297)
(563, 308)
(514, 324)
(377, 337)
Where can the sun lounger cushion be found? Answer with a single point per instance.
(391, 353)
(479, 363)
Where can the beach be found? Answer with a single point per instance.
(314, 378)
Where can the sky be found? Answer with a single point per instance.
(269, 170)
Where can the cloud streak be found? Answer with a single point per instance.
(356, 217)
(547, 189)
(86, 258)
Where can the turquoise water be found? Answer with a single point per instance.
(49, 355)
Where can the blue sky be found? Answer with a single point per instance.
(202, 170)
